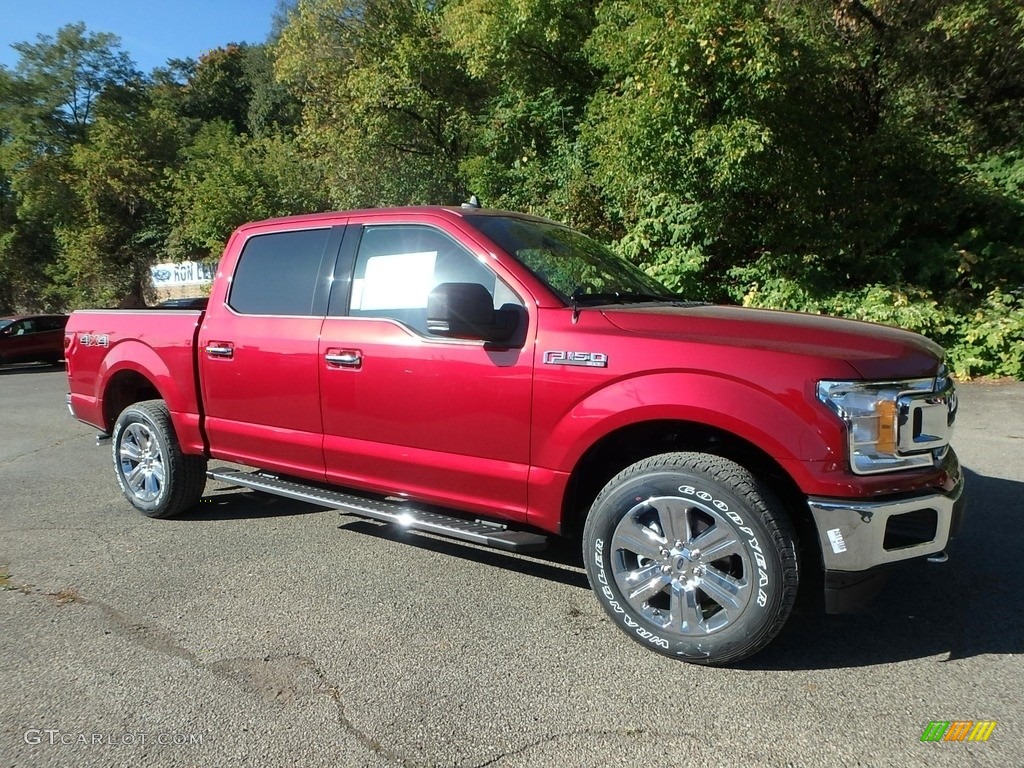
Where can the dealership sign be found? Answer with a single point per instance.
(182, 273)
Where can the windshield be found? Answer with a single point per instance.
(576, 268)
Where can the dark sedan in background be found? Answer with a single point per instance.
(32, 338)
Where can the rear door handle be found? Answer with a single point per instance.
(344, 358)
(220, 349)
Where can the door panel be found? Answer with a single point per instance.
(443, 420)
(259, 353)
(263, 401)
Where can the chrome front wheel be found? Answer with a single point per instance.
(680, 563)
(693, 557)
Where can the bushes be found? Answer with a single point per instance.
(981, 339)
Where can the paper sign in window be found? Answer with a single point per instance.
(395, 281)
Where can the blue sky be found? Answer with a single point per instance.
(151, 31)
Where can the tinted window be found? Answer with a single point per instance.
(277, 273)
(398, 266)
(52, 323)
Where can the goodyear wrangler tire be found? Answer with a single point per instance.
(692, 557)
(154, 475)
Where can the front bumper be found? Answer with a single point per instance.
(860, 535)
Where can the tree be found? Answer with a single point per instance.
(119, 227)
(225, 180)
(385, 101)
(529, 57)
(66, 74)
(47, 105)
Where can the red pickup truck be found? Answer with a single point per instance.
(501, 379)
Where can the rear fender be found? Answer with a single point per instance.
(177, 391)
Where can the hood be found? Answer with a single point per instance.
(877, 352)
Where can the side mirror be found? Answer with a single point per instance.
(466, 311)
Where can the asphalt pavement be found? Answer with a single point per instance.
(258, 631)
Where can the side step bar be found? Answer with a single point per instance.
(476, 531)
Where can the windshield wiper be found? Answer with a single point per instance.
(617, 297)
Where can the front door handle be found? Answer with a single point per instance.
(220, 349)
(344, 358)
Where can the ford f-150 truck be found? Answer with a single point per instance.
(501, 379)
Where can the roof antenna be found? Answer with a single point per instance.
(474, 202)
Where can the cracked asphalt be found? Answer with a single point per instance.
(262, 632)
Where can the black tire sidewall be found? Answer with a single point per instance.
(134, 415)
(767, 573)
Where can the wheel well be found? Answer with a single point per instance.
(631, 444)
(123, 389)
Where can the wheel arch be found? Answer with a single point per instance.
(123, 388)
(133, 372)
(632, 443)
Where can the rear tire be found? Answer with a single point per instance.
(693, 557)
(154, 475)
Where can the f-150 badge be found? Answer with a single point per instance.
(583, 359)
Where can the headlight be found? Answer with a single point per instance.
(893, 425)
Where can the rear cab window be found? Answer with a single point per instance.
(277, 273)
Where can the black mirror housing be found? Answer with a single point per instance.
(466, 311)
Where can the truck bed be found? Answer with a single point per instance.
(117, 352)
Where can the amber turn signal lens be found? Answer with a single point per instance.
(886, 442)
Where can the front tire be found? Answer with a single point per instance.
(154, 475)
(693, 557)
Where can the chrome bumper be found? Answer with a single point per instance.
(856, 536)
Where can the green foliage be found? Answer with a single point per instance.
(386, 103)
(226, 180)
(63, 76)
(663, 241)
(117, 226)
(858, 158)
(48, 104)
(991, 339)
(218, 88)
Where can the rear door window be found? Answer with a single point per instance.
(277, 273)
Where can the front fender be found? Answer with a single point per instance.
(786, 425)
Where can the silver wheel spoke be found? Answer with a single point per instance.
(151, 484)
(130, 451)
(727, 591)
(674, 518)
(686, 616)
(136, 478)
(644, 583)
(139, 435)
(158, 472)
(716, 542)
(636, 538)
